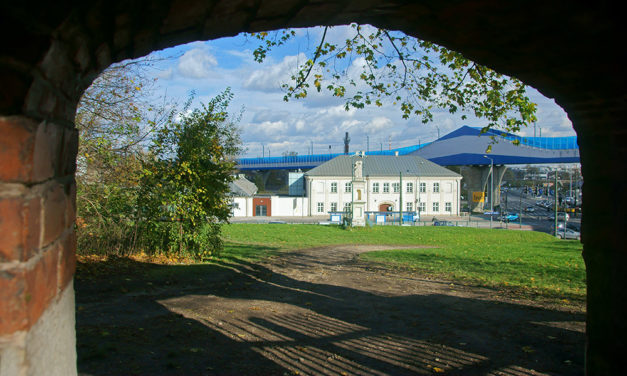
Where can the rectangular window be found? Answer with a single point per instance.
(423, 207)
(347, 206)
(409, 206)
(396, 187)
(320, 186)
(334, 206)
(375, 187)
(410, 187)
(261, 210)
(321, 207)
(386, 187)
(348, 187)
(436, 207)
(423, 187)
(447, 207)
(436, 187)
(334, 187)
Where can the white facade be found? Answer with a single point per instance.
(441, 195)
(280, 206)
(242, 206)
(286, 206)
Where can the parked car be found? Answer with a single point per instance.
(443, 223)
(568, 234)
(509, 217)
(561, 216)
(571, 225)
(530, 209)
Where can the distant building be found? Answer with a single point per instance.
(242, 191)
(426, 187)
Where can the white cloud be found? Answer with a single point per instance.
(378, 124)
(196, 63)
(272, 76)
(165, 74)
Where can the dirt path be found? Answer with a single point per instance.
(313, 311)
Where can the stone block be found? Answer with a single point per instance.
(67, 260)
(48, 142)
(12, 295)
(20, 226)
(16, 148)
(41, 284)
(54, 213)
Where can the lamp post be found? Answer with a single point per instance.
(491, 187)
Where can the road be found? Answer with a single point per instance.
(515, 202)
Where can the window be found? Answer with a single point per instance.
(334, 206)
(423, 187)
(261, 210)
(334, 187)
(447, 207)
(423, 207)
(410, 187)
(347, 206)
(375, 187)
(396, 187)
(436, 207)
(386, 187)
(348, 187)
(321, 207)
(436, 187)
(409, 206)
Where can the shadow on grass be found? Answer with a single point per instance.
(242, 318)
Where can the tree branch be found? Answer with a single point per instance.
(316, 56)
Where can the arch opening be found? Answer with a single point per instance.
(38, 118)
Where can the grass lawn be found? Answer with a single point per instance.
(526, 261)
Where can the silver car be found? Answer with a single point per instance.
(568, 234)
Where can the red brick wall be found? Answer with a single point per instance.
(37, 205)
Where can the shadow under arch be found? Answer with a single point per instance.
(570, 52)
(249, 318)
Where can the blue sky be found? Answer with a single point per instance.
(276, 126)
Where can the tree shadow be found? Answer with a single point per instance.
(243, 318)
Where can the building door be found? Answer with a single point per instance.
(385, 207)
(263, 207)
(261, 210)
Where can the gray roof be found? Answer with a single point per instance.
(242, 187)
(382, 165)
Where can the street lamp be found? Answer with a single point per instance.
(491, 187)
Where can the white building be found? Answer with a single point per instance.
(388, 182)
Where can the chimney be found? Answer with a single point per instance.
(346, 141)
(396, 153)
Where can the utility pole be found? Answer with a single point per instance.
(555, 228)
(491, 188)
(400, 193)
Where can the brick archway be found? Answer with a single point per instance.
(51, 53)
